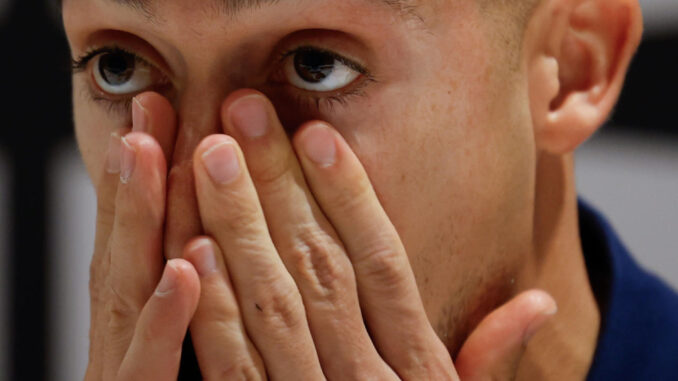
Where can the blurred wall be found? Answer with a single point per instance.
(633, 179)
(72, 229)
(660, 16)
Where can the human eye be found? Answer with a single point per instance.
(321, 75)
(117, 75)
(314, 69)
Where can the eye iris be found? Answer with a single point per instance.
(116, 69)
(313, 66)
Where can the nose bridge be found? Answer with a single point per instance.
(198, 117)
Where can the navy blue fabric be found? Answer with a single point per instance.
(639, 331)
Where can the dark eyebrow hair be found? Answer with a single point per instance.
(406, 8)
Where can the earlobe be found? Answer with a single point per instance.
(579, 53)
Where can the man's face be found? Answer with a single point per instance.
(432, 99)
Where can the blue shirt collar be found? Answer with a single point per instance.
(638, 339)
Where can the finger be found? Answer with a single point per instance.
(136, 259)
(106, 190)
(494, 348)
(153, 114)
(386, 284)
(161, 125)
(270, 303)
(304, 238)
(155, 350)
(221, 344)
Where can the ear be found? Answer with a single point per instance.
(577, 53)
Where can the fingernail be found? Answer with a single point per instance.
(139, 116)
(168, 281)
(249, 116)
(538, 322)
(319, 144)
(127, 161)
(221, 162)
(113, 154)
(206, 262)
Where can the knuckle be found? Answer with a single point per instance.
(120, 310)
(383, 263)
(279, 306)
(350, 194)
(242, 216)
(243, 219)
(319, 263)
(105, 210)
(239, 370)
(218, 309)
(366, 367)
(271, 172)
(96, 283)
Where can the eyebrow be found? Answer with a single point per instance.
(406, 8)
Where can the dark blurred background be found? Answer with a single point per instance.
(629, 170)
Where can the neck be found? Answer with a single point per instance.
(564, 348)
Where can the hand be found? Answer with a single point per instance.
(139, 311)
(302, 260)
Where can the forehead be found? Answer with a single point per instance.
(406, 8)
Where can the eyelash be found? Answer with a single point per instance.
(308, 100)
(319, 102)
(79, 65)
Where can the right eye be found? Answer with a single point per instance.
(320, 71)
(122, 73)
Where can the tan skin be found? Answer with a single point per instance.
(450, 193)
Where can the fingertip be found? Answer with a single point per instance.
(155, 116)
(156, 346)
(544, 307)
(185, 278)
(140, 139)
(208, 143)
(232, 98)
(218, 161)
(108, 179)
(302, 131)
(158, 107)
(183, 268)
(201, 253)
(317, 141)
(147, 149)
(542, 302)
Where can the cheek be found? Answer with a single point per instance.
(456, 180)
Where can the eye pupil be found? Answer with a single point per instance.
(116, 68)
(313, 66)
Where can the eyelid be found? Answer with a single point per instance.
(310, 48)
(80, 64)
(117, 103)
(122, 104)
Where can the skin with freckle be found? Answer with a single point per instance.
(448, 132)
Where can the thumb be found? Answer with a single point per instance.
(494, 348)
(155, 350)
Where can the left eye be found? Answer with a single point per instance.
(121, 73)
(317, 70)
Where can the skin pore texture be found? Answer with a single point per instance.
(466, 132)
